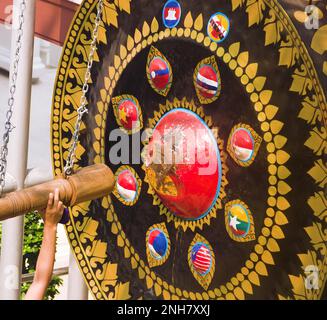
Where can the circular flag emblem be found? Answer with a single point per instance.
(128, 115)
(171, 13)
(218, 27)
(159, 73)
(207, 82)
(157, 243)
(127, 185)
(201, 258)
(238, 220)
(242, 144)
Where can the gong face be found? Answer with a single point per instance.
(220, 221)
(188, 179)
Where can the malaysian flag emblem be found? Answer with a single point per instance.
(201, 258)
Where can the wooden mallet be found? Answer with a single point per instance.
(88, 183)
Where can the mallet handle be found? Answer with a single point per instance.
(88, 183)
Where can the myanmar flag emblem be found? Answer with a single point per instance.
(239, 221)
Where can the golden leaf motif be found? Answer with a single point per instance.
(110, 14)
(318, 237)
(319, 40)
(272, 28)
(234, 49)
(310, 111)
(319, 173)
(301, 82)
(318, 204)
(237, 3)
(145, 29)
(154, 25)
(251, 70)
(317, 141)
(288, 53)
(299, 282)
(188, 22)
(198, 23)
(259, 83)
(87, 229)
(124, 5)
(89, 26)
(255, 9)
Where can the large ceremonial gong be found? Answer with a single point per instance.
(242, 84)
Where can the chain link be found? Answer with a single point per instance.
(8, 125)
(83, 102)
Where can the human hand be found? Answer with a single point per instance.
(54, 210)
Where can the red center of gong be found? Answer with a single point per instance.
(183, 164)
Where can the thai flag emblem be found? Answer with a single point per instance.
(201, 258)
(171, 14)
(207, 81)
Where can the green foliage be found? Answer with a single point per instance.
(33, 234)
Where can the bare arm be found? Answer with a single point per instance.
(45, 261)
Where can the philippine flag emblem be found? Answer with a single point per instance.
(171, 13)
(201, 258)
(242, 144)
(218, 27)
(127, 185)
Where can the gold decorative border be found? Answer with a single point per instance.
(155, 53)
(305, 82)
(257, 142)
(179, 222)
(210, 61)
(153, 262)
(204, 280)
(250, 236)
(138, 187)
(116, 101)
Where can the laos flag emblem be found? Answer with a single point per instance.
(171, 13)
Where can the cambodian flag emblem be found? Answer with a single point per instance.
(171, 14)
(201, 258)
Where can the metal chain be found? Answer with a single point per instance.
(8, 125)
(83, 102)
